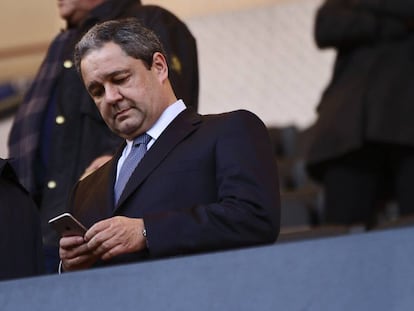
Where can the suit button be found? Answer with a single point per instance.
(68, 64)
(60, 120)
(51, 184)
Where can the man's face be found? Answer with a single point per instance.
(73, 11)
(128, 95)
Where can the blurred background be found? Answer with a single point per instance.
(258, 55)
(254, 54)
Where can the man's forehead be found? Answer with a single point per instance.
(108, 49)
(105, 62)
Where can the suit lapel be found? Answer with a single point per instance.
(182, 126)
(104, 183)
(93, 199)
(112, 178)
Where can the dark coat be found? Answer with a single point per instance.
(20, 236)
(83, 136)
(208, 183)
(370, 97)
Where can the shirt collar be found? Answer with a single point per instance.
(166, 118)
(168, 115)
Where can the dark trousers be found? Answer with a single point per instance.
(357, 184)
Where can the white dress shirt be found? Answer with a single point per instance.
(155, 131)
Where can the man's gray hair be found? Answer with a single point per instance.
(134, 39)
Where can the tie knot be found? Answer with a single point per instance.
(142, 139)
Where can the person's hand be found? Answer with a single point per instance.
(115, 236)
(97, 163)
(74, 253)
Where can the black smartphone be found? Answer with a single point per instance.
(67, 225)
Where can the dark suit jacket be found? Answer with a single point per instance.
(208, 183)
(20, 236)
(372, 89)
(84, 135)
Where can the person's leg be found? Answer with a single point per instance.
(351, 187)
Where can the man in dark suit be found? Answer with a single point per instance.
(57, 133)
(205, 182)
(363, 150)
(20, 235)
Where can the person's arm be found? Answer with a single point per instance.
(401, 9)
(246, 211)
(346, 24)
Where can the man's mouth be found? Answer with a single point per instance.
(122, 112)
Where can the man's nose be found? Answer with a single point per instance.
(112, 94)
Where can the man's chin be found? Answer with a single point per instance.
(128, 132)
(127, 127)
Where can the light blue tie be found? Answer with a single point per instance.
(139, 147)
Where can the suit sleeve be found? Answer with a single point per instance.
(247, 207)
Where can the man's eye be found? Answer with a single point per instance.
(96, 92)
(119, 80)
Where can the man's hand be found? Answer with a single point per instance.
(75, 254)
(115, 236)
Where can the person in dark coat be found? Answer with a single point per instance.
(191, 183)
(20, 235)
(363, 147)
(58, 134)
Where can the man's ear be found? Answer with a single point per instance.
(159, 64)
